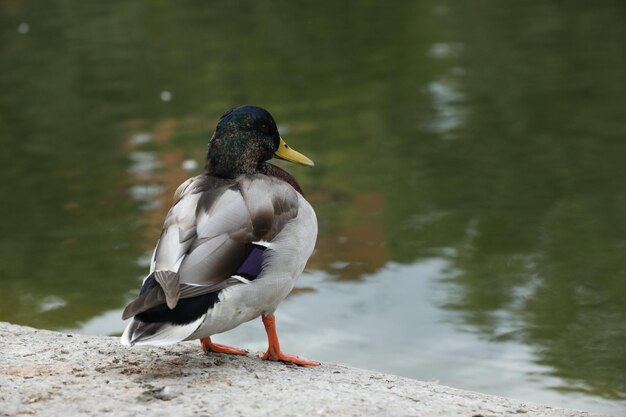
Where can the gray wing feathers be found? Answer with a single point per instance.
(271, 203)
(178, 233)
(212, 263)
(228, 214)
(206, 231)
(169, 283)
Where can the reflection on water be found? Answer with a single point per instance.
(468, 179)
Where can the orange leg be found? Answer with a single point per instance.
(273, 351)
(209, 346)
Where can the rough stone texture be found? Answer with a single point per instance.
(46, 373)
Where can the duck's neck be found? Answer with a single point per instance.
(231, 158)
(274, 171)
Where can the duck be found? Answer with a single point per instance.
(233, 244)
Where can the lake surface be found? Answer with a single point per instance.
(470, 178)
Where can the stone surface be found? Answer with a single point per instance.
(45, 373)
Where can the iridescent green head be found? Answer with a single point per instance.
(245, 137)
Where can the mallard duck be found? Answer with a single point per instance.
(233, 244)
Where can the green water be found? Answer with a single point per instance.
(470, 182)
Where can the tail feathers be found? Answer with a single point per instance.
(149, 299)
(160, 287)
(157, 334)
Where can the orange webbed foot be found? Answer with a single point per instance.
(273, 351)
(283, 357)
(209, 346)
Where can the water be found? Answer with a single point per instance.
(469, 178)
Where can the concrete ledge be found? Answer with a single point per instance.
(46, 373)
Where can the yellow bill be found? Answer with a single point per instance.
(288, 154)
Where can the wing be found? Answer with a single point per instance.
(209, 236)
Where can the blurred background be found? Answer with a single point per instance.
(470, 178)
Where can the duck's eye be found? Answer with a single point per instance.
(265, 128)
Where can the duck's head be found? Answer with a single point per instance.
(245, 137)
